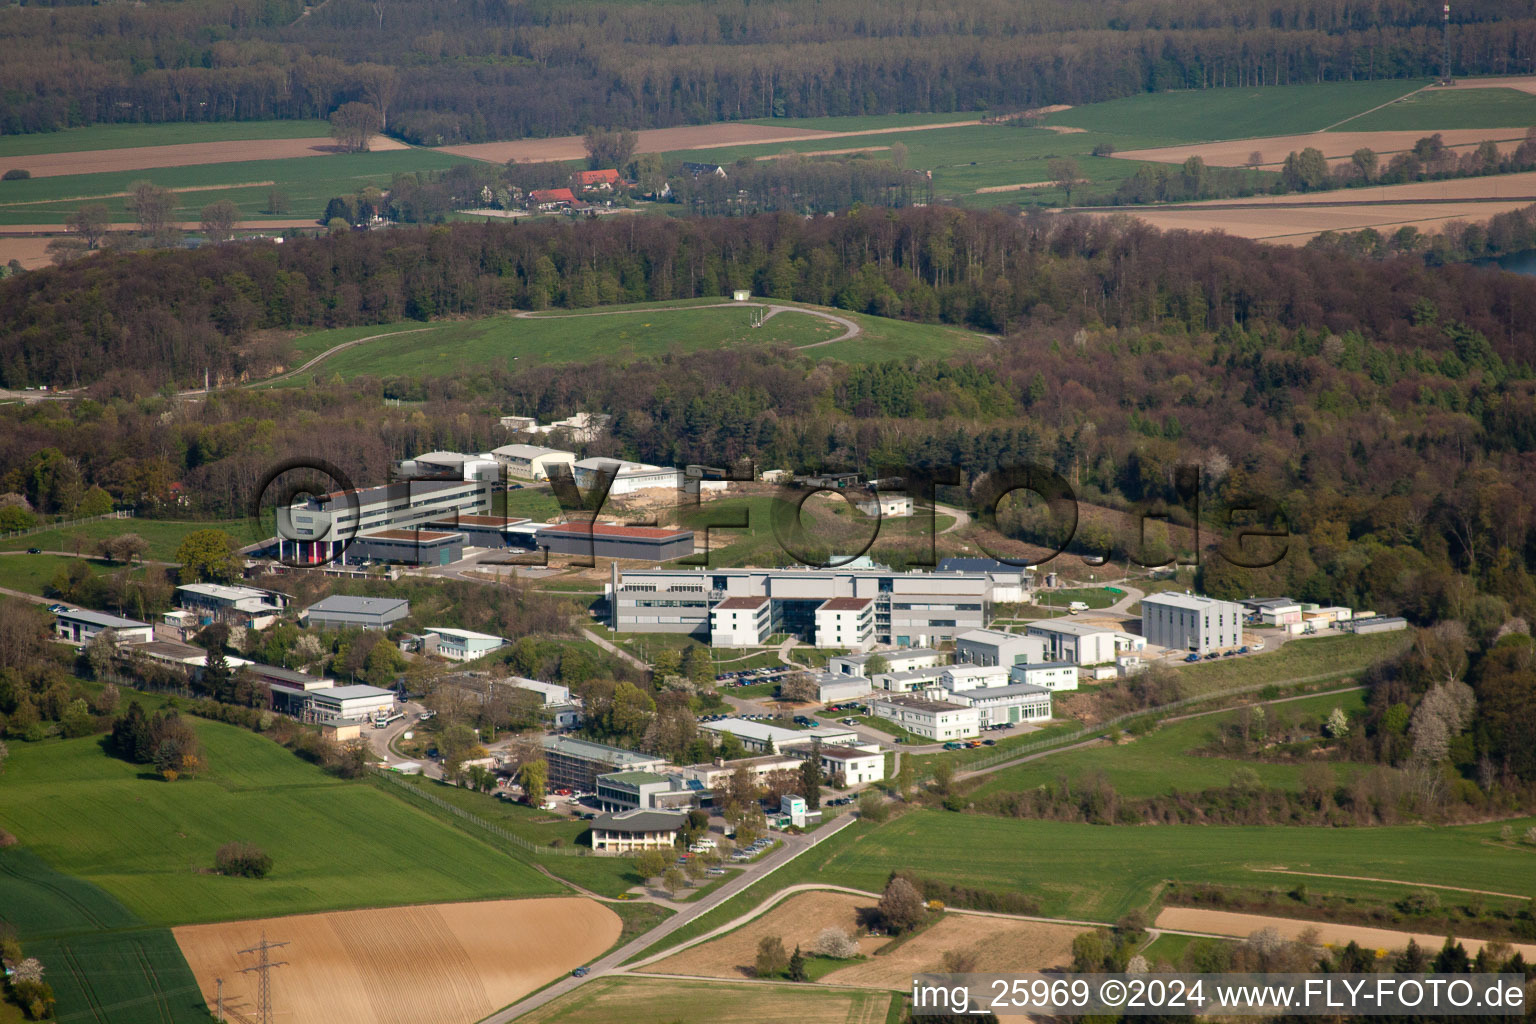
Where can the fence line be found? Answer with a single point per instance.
(479, 822)
(126, 513)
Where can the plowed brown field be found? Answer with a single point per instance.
(448, 963)
(999, 944)
(797, 921)
(50, 165)
(1221, 922)
(1336, 146)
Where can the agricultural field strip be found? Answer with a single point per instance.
(189, 154)
(1393, 881)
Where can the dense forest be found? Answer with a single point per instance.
(444, 72)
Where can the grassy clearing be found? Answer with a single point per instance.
(1451, 108)
(164, 535)
(124, 136)
(98, 955)
(1210, 114)
(508, 341)
(149, 843)
(1098, 872)
(307, 182)
(536, 503)
(670, 1001)
(34, 573)
(1321, 656)
(1162, 761)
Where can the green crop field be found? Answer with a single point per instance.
(1162, 762)
(1303, 658)
(102, 962)
(1099, 872)
(149, 843)
(123, 136)
(670, 1001)
(307, 182)
(1211, 114)
(1451, 108)
(164, 535)
(507, 341)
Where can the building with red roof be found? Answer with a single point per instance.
(551, 198)
(606, 180)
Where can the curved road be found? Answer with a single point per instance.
(300, 369)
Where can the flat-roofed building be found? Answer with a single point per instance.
(996, 647)
(832, 688)
(630, 831)
(856, 766)
(494, 532)
(331, 703)
(531, 461)
(886, 506)
(910, 609)
(1006, 705)
(898, 660)
(631, 790)
(760, 736)
(409, 547)
(741, 622)
(614, 540)
(845, 621)
(461, 644)
(713, 774)
(452, 466)
(576, 764)
(1193, 622)
(1375, 624)
(81, 626)
(561, 708)
(1082, 643)
(909, 680)
(1052, 675)
(322, 528)
(939, 720)
(628, 477)
(972, 677)
(341, 610)
(240, 606)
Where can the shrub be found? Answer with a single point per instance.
(1420, 902)
(16, 174)
(835, 943)
(242, 860)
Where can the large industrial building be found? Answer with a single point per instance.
(612, 540)
(997, 647)
(530, 461)
(1192, 622)
(340, 610)
(322, 528)
(909, 609)
(409, 547)
(1082, 643)
(628, 477)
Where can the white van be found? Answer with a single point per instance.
(1077, 606)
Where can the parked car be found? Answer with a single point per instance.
(1242, 650)
(580, 972)
(953, 746)
(989, 743)
(34, 551)
(1192, 657)
(1212, 656)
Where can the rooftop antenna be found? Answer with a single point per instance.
(1445, 45)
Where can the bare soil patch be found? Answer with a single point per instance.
(50, 165)
(1299, 224)
(31, 253)
(1221, 922)
(999, 944)
(1336, 146)
(1523, 84)
(798, 920)
(437, 964)
(1494, 186)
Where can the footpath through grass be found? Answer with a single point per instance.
(334, 844)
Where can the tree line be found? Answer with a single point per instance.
(440, 72)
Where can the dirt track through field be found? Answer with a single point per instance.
(1221, 922)
(1336, 146)
(139, 158)
(444, 963)
(669, 140)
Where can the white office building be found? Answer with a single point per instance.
(740, 622)
(1082, 643)
(242, 606)
(911, 609)
(856, 766)
(939, 720)
(1006, 705)
(764, 738)
(460, 644)
(1051, 675)
(530, 461)
(77, 625)
(909, 680)
(900, 659)
(972, 677)
(322, 527)
(845, 622)
(1193, 622)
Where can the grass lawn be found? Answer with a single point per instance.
(122, 136)
(149, 842)
(1451, 108)
(536, 503)
(890, 728)
(1100, 872)
(307, 182)
(670, 1001)
(1199, 115)
(1161, 761)
(1303, 658)
(164, 535)
(33, 573)
(98, 955)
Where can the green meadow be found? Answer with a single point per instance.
(164, 536)
(126, 136)
(1450, 108)
(149, 843)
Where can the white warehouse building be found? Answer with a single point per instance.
(1082, 643)
(1192, 622)
(629, 477)
(1052, 675)
(531, 461)
(460, 644)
